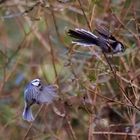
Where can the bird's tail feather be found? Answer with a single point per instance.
(83, 37)
(27, 114)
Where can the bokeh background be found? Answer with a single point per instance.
(98, 94)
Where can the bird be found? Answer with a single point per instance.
(104, 39)
(36, 92)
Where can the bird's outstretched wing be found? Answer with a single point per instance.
(104, 33)
(48, 94)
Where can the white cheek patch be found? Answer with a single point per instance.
(35, 82)
(119, 47)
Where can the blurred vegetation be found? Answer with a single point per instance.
(97, 102)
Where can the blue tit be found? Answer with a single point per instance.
(103, 39)
(36, 92)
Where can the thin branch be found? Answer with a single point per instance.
(115, 133)
(31, 125)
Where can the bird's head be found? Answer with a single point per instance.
(119, 47)
(36, 82)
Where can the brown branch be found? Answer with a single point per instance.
(115, 133)
(31, 125)
(88, 23)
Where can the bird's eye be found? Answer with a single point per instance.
(39, 84)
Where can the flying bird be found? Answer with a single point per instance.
(36, 92)
(104, 39)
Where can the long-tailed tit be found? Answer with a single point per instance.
(103, 39)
